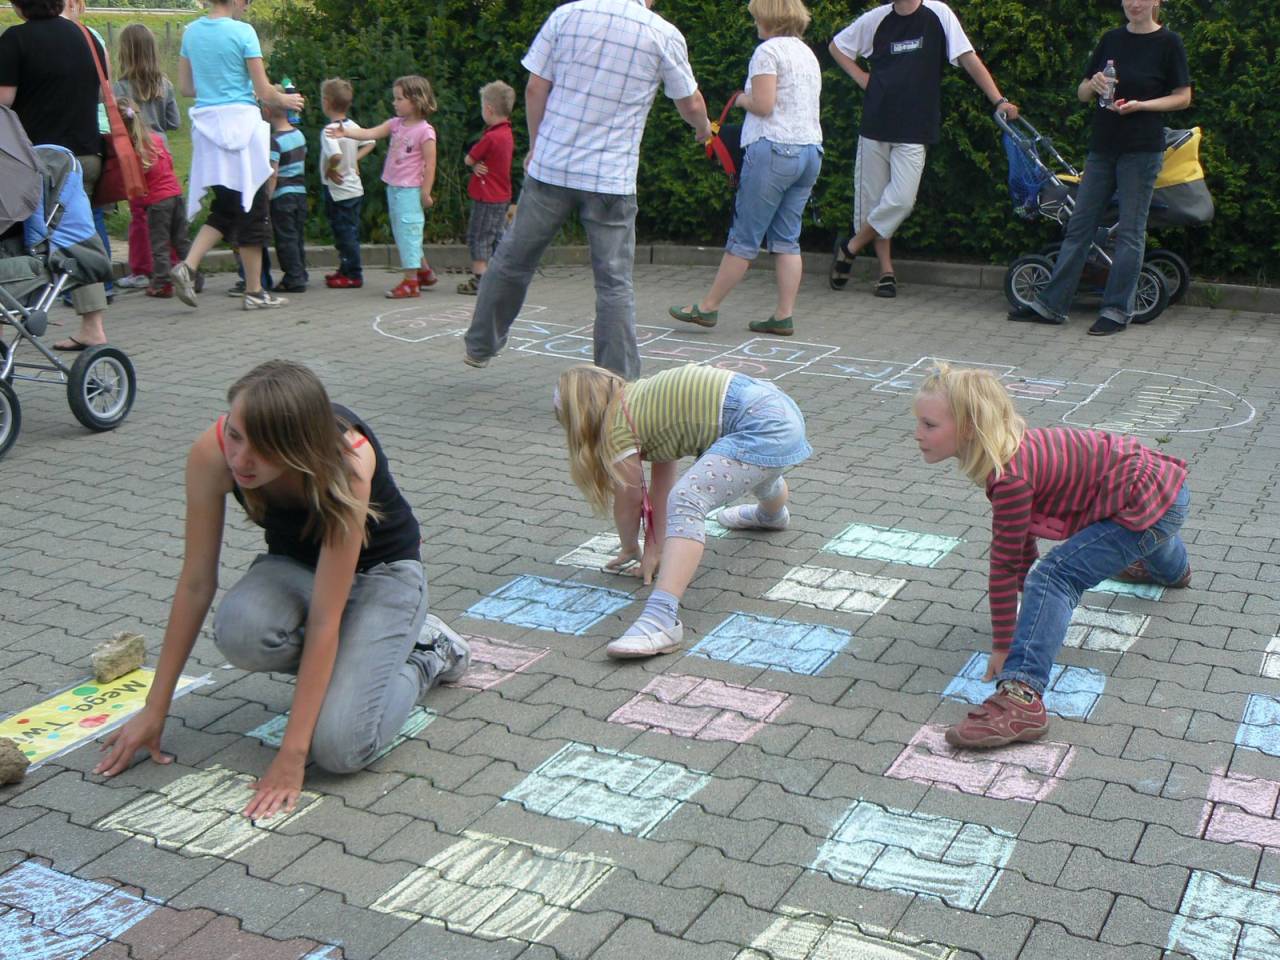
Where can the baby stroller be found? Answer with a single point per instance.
(1043, 184)
(47, 246)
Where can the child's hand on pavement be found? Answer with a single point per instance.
(625, 562)
(995, 664)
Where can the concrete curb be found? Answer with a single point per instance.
(454, 257)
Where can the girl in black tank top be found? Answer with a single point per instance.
(339, 598)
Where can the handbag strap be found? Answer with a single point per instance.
(108, 95)
(646, 506)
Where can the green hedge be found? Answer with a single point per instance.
(1035, 49)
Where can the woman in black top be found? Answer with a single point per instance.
(1126, 150)
(339, 598)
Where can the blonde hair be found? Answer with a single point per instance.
(988, 428)
(498, 97)
(338, 93)
(587, 398)
(136, 126)
(140, 63)
(417, 90)
(287, 417)
(781, 18)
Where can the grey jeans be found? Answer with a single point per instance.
(610, 222)
(376, 679)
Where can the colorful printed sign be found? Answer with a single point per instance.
(82, 712)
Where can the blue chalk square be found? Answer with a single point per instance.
(885, 849)
(607, 789)
(1227, 918)
(773, 644)
(1072, 691)
(870, 542)
(271, 733)
(560, 606)
(1145, 591)
(1260, 728)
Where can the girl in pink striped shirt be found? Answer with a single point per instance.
(1117, 505)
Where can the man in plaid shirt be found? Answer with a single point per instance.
(594, 70)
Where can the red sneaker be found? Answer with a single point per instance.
(404, 290)
(331, 276)
(1006, 717)
(427, 277)
(339, 281)
(1137, 572)
(163, 291)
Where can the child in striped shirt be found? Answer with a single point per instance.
(744, 433)
(1117, 505)
(288, 198)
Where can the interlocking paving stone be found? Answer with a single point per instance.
(496, 661)
(1024, 771)
(868, 541)
(1107, 630)
(700, 708)
(497, 887)
(831, 589)
(1271, 660)
(771, 643)
(886, 849)
(1072, 691)
(272, 732)
(555, 605)
(201, 813)
(68, 906)
(608, 789)
(1260, 728)
(800, 935)
(1242, 809)
(1226, 919)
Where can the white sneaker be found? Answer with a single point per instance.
(644, 638)
(134, 281)
(184, 284)
(745, 517)
(452, 650)
(262, 300)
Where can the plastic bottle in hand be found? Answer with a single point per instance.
(295, 117)
(1107, 100)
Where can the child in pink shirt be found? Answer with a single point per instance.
(409, 173)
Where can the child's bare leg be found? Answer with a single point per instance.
(680, 559)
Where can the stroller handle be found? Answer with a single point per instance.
(1019, 132)
(1030, 140)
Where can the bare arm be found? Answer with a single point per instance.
(1179, 99)
(428, 173)
(763, 96)
(186, 80)
(976, 69)
(536, 94)
(265, 92)
(8, 95)
(626, 504)
(849, 65)
(694, 111)
(364, 150)
(345, 129)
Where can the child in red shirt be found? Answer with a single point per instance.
(165, 209)
(490, 183)
(1117, 505)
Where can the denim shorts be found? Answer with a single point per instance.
(773, 189)
(760, 424)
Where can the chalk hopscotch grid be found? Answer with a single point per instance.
(560, 606)
(827, 588)
(771, 643)
(881, 848)
(1219, 916)
(201, 813)
(868, 541)
(58, 915)
(1241, 809)
(495, 661)
(495, 887)
(271, 732)
(1111, 631)
(800, 935)
(1260, 727)
(701, 709)
(1072, 691)
(607, 788)
(1271, 660)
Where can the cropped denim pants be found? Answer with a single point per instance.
(776, 181)
(260, 625)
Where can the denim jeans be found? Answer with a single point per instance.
(777, 179)
(1053, 587)
(610, 222)
(344, 221)
(1133, 177)
(376, 678)
(289, 221)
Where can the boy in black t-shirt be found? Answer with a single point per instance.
(905, 43)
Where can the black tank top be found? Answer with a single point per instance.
(395, 537)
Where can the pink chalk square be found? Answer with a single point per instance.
(1242, 810)
(1023, 771)
(701, 709)
(493, 662)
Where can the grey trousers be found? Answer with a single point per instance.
(376, 679)
(91, 297)
(610, 222)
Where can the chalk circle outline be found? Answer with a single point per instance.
(440, 314)
(1253, 411)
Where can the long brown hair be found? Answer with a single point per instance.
(587, 399)
(138, 131)
(140, 63)
(287, 417)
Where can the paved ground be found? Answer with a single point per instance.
(780, 790)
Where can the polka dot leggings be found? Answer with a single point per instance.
(715, 481)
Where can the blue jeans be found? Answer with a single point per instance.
(776, 181)
(344, 221)
(761, 425)
(1133, 177)
(1053, 587)
(610, 222)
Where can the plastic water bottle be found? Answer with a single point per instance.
(1109, 74)
(295, 117)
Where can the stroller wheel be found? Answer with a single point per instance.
(1025, 278)
(101, 387)
(1176, 273)
(1152, 295)
(10, 417)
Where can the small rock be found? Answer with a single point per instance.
(123, 653)
(13, 762)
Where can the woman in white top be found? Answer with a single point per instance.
(782, 155)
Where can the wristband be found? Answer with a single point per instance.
(1001, 102)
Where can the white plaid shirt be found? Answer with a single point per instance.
(604, 59)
